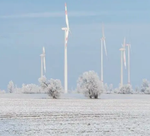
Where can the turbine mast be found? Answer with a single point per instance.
(123, 60)
(41, 65)
(121, 78)
(65, 68)
(101, 60)
(67, 30)
(128, 63)
(103, 43)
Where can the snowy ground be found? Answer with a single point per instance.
(110, 115)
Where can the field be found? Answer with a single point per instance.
(71, 117)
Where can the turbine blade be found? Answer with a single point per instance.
(66, 13)
(66, 38)
(103, 35)
(124, 43)
(105, 47)
(43, 50)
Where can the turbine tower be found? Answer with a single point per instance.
(129, 46)
(43, 64)
(103, 44)
(67, 30)
(123, 60)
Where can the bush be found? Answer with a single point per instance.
(30, 88)
(53, 87)
(11, 87)
(126, 89)
(89, 84)
(145, 87)
(2, 92)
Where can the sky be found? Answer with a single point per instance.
(26, 26)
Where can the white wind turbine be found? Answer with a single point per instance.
(67, 30)
(43, 63)
(103, 44)
(123, 60)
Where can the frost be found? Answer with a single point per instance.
(2, 92)
(89, 84)
(145, 87)
(26, 88)
(108, 89)
(30, 88)
(53, 87)
(11, 87)
(43, 82)
(126, 89)
(76, 117)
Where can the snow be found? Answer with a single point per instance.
(113, 114)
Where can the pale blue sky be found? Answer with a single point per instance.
(26, 26)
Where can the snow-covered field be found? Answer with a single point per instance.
(107, 116)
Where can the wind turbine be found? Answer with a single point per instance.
(129, 46)
(123, 60)
(103, 44)
(67, 30)
(43, 64)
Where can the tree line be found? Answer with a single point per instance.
(88, 84)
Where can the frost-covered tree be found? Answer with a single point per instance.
(137, 90)
(43, 82)
(116, 90)
(30, 88)
(147, 90)
(108, 88)
(111, 88)
(11, 87)
(2, 91)
(145, 87)
(105, 88)
(89, 84)
(53, 87)
(18, 90)
(126, 89)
